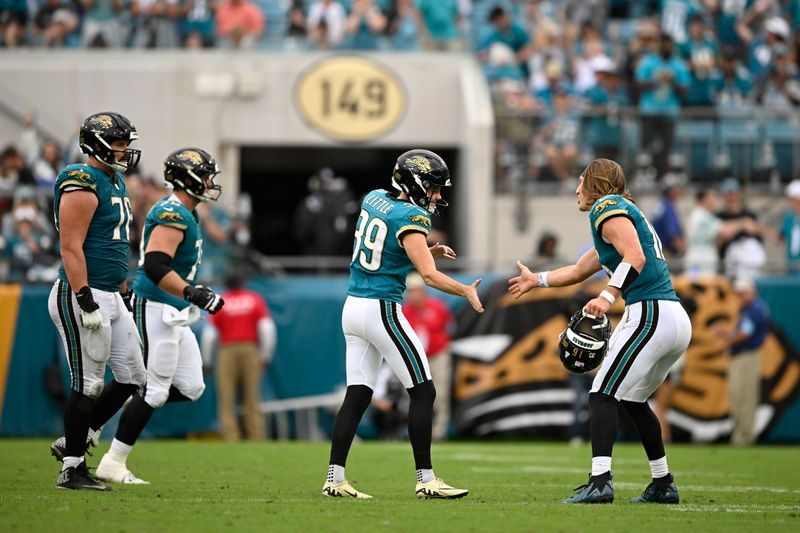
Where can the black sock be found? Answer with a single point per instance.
(605, 422)
(176, 396)
(356, 401)
(648, 426)
(420, 422)
(133, 420)
(111, 399)
(77, 415)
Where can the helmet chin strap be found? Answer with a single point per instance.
(116, 165)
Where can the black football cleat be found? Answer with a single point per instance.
(598, 490)
(58, 448)
(661, 490)
(79, 478)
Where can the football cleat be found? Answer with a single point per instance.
(598, 490)
(438, 489)
(79, 478)
(113, 471)
(58, 448)
(661, 490)
(343, 490)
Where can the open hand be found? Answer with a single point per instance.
(440, 250)
(471, 295)
(521, 284)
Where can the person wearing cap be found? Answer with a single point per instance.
(790, 231)
(607, 99)
(663, 81)
(431, 319)
(744, 373)
(509, 32)
(700, 52)
(743, 255)
(732, 84)
(665, 217)
(763, 48)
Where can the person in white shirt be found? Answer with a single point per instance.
(326, 20)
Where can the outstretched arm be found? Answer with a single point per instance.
(587, 265)
(419, 253)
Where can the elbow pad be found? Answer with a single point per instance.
(157, 265)
(623, 277)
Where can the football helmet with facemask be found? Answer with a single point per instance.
(193, 170)
(416, 173)
(584, 344)
(100, 130)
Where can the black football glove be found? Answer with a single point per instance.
(91, 318)
(126, 299)
(203, 297)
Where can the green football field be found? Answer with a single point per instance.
(215, 486)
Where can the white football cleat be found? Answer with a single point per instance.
(343, 490)
(438, 489)
(113, 471)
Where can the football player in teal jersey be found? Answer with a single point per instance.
(166, 302)
(653, 333)
(389, 242)
(93, 217)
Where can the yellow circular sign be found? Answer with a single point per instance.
(350, 98)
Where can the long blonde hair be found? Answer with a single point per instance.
(603, 177)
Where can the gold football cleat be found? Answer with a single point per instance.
(438, 489)
(343, 490)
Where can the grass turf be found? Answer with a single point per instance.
(212, 486)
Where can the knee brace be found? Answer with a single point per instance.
(97, 343)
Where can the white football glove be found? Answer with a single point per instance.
(91, 317)
(92, 320)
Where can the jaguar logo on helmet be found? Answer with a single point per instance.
(584, 343)
(421, 163)
(191, 155)
(103, 120)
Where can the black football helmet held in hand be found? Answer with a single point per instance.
(193, 170)
(584, 344)
(416, 172)
(100, 130)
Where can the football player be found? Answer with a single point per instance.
(166, 301)
(653, 333)
(389, 242)
(93, 217)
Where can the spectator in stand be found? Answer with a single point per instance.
(700, 52)
(247, 336)
(13, 171)
(326, 20)
(440, 24)
(197, 23)
(607, 99)
(728, 14)
(790, 231)
(403, 25)
(156, 23)
(743, 255)
(240, 23)
(547, 256)
(665, 219)
(560, 135)
(677, 15)
(587, 53)
(431, 321)
(512, 34)
(364, 25)
(780, 90)
(732, 86)
(296, 23)
(26, 204)
(13, 19)
(42, 158)
(744, 374)
(663, 80)
(54, 21)
(775, 37)
(645, 43)
(102, 23)
(29, 239)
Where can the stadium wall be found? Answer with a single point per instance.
(490, 380)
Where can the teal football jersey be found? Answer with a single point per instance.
(171, 212)
(380, 265)
(107, 245)
(653, 282)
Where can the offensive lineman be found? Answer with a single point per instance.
(93, 217)
(166, 302)
(653, 333)
(389, 241)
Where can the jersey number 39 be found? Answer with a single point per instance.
(372, 235)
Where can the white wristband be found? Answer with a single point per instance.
(608, 297)
(543, 280)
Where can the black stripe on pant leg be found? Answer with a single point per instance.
(411, 344)
(140, 318)
(625, 347)
(74, 322)
(396, 341)
(67, 336)
(638, 349)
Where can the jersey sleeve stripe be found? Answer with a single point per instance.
(410, 227)
(182, 227)
(609, 214)
(75, 184)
